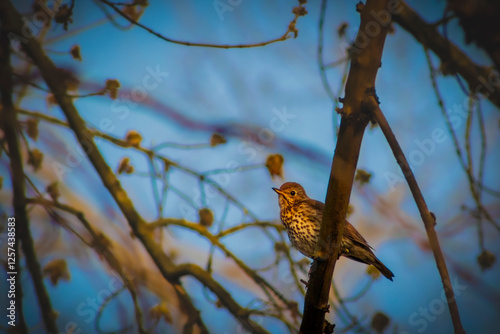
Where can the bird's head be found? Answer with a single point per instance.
(290, 193)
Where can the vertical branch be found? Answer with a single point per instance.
(427, 217)
(9, 124)
(360, 88)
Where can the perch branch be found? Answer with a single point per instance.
(360, 85)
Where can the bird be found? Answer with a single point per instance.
(302, 217)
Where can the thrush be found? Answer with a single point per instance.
(302, 217)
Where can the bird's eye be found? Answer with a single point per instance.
(292, 192)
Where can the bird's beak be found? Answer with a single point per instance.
(278, 191)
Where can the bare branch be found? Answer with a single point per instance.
(427, 217)
(360, 86)
(214, 240)
(480, 79)
(240, 227)
(465, 162)
(10, 126)
(284, 37)
(100, 246)
(206, 279)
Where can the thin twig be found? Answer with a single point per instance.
(427, 217)
(231, 230)
(284, 37)
(482, 161)
(149, 152)
(443, 110)
(354, 321)
(465, 162)
(104, 303)
(361, 292)
(219, 228)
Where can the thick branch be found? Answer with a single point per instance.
(481, 80)
(240, 313)
(427, 217)
(360, 85)
(214, 240)
(100, 246)
(9, 125)
(479, 20)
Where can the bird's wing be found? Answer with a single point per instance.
(353, 234)
(316, 204)
(315, 210)
(349, 231)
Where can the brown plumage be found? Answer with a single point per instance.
(302, 217)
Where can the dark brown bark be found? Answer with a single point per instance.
(479, 20)
(360, 88)
(8, 120)
(480, 79)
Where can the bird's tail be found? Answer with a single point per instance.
(383, 269)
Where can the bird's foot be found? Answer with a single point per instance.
(312, 268)
(320, 256)
(328, 328)
(306, 284)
